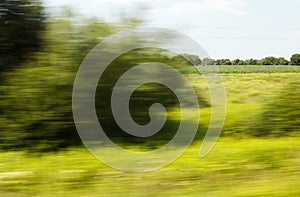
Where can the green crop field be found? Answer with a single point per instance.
(259, 69)
(244, 69)
(239, 165)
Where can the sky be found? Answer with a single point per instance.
(231, 29)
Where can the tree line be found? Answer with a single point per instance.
(270, 60)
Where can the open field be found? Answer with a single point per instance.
(238, 165)
(259, 69)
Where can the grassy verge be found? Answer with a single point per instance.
(235, 167)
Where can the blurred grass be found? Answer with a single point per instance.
(235, 167)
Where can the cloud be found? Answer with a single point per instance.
(205, 6)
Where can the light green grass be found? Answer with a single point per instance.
(235, 167)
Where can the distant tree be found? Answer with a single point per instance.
(251, 62)
(21, 22)
(247, 62)
(235, 62)
(241, 62)
(268, 61)
(223, 62)
(227, 62)
(193, 58)
(295, 59)
(282, 61)
(208, 61)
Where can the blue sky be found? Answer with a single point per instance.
(224, 28)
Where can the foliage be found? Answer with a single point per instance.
(235, 62)
(208, 61)
(193, 58)
(280, 117)
(223, 62)
(144, 96)
(282, 61)
(36, 108)
(251, 62)
(265, 61)
(21, 23)
(268, 61)
(273, 61)
(295, 59)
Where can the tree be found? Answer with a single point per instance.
(36, 102)
(208, 61)
(268, 61)
(21, 22)
(282, 61)
(235, 62)
(295, 59)
(223, 62)
(251, 62)
(241, 62)
(193, 58)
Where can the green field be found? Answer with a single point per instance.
(239, 165)
(259, 69)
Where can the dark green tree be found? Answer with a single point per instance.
(36, 101)
(282, 61)
(235, 62)
(21, 23)
(223, 62)
(295, 59)
(241, 62)
(270, 60)
(251, 62)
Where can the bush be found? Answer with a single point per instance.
(280, 117)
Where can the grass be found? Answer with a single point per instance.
(237, 166)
